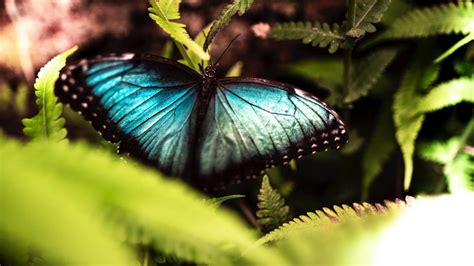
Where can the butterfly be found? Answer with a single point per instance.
(206, 130)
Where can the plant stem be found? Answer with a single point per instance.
(348, 51)
(186, 57)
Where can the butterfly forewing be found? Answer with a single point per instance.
(146, 103)
(253, 124)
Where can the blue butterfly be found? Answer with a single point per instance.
(209, 131)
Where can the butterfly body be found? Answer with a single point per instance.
(207, 130)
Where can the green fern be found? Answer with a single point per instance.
(447, 94)
(367, 13)
(59, 201)
(380, 147)
(442, 19)
(367, 72)
(455, 47)
(48, 124)
(316, 34)
(272, 210)
(235, 70)
(238, 6)
(327, 216)
(418, 76)
(163, 12)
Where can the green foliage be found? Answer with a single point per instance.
(442, 19)
(163, 12)
(14, 99)
(418, 76)
(71, 191)
(48, 124)
(325, 217)
(380, 147)
(237, 6)
(235, 70)
(272, 210)
(367, 13)
(316, 34)
(167, 51)
(218, 201)
(367, 72)
(326, 71)
(447, 94)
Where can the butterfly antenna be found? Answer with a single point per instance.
(227, 48)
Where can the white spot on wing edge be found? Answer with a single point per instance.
(127, 56)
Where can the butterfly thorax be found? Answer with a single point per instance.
(207, 89)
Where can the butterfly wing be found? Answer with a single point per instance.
(144, 102)
(253, 124)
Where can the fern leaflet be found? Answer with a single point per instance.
(238, 6)
(327, 216)
(316, 34)
(442, 19)
(272, 210)
(446, 94)
(163, 12)
(419, 75)
(367, 13)
(48, 124)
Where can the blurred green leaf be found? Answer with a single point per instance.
(379, 149)
(447, 94)
(235, 70)
(367, 72)
(48, 124)
(68, 192)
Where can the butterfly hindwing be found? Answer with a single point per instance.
(253, 124)
(144, 102)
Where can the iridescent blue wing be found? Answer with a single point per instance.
(144, 102)
(253, 124)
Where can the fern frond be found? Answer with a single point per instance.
(316, 34)
(238, 6)
(368, 71)
(327, 216)
(447, 94)
(419, 75)
(163, 12)
(380, 147)
(367, 13)
(441, 19)
(272, 210)
(48, 124)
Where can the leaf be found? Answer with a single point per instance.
(418, 76)
(75, 213)
(163, 12)
(237, 6)
(380, 147)
(167, 51)
(321, 219)
(367, 13)
(441, 19)
(235, 70)
(48, 124)
(368, 71)
(316, 34)
(447, 94)
(272, 210)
